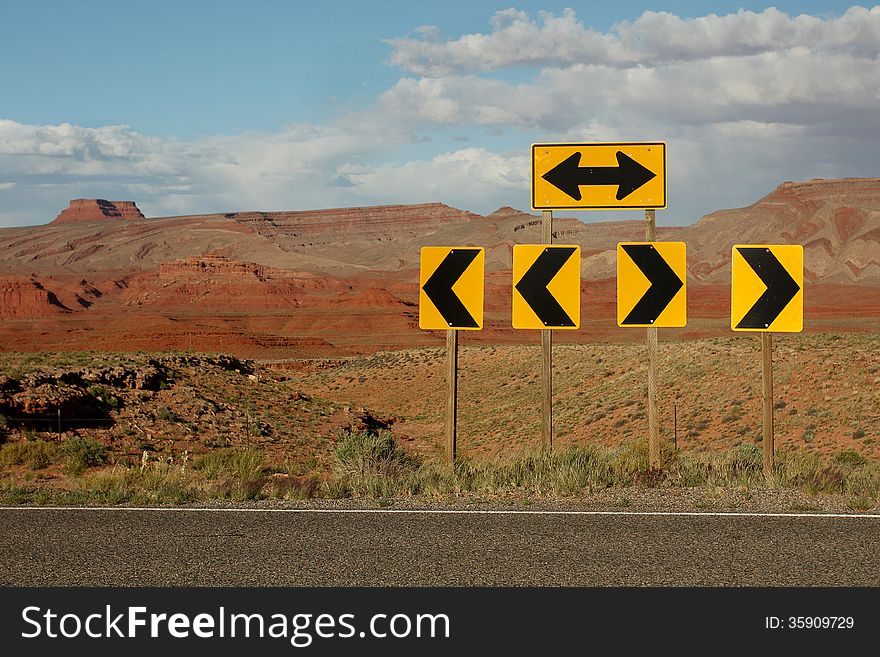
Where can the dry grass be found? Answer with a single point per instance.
(370, 466)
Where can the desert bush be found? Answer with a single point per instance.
(359, 451)
(36, 454)
(230, 463)
(158, 484)
(165, 413)
(810, 472)
(82, 453)
(104, 396)
(373, 465)
(297, 488)
(745, 457)
(850, 458)
(241, 489)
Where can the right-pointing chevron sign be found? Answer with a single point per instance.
(651, 284)
(767, 288)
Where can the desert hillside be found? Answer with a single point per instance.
(346, 280)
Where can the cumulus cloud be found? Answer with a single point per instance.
(653, 38)
(302, 166)
(745, 101)
(474, 173)
(755, 98)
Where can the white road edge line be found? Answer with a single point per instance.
(549, 512)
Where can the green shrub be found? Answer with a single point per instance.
(232, 463)
(105, 397)
(360, 451)
(81, 453)
(36, 454)
(849, 457)
(165, 413)
(745, 457)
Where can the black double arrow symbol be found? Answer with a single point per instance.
(628, 175)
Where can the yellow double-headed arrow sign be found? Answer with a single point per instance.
(603, 176)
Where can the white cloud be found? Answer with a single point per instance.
(653, 38)
(475, 175)
(303, 166)
(745, 101)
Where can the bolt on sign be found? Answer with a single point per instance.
(651, 284)
(600, 176)
(451, 287)
(767, 288)
(546, 286)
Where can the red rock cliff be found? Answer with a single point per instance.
(97, 209)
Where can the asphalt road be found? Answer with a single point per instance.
(40, 547)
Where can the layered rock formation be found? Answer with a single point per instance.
(836, 221)
(97, 209)
(210, 265)
(21, 296)
(346, 280)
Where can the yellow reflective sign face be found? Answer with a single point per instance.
(451, 287)
(651, 284)
(767, 288)
(546, 286)
(599, 176)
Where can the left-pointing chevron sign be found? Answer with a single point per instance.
(767, 288)
(546, 286)
(651, 284)
(451, 287)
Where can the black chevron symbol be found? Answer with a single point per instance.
(533, 286)
(665, 283)
(439, 288)
(781, 287)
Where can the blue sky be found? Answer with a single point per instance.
(190, 107)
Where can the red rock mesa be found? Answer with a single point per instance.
(97, 209)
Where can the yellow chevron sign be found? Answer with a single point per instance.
(651, 284)
(451, 287)
(546, 286)
(767, 288)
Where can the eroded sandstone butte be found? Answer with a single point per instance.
(97, 209)
(343, 281)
